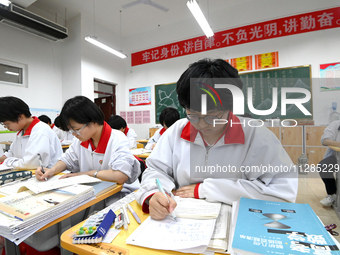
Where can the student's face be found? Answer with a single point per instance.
(82, 131)
(205, 122)
(14, 126)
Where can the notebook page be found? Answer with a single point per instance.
(196, 208)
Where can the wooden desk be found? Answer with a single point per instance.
(7, 144)
(143, 155)
(11, 248)
(117, 245)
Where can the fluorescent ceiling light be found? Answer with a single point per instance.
(11, 73)
(94, 41)
(5, 2)
(199, 16)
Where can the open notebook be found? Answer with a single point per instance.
(191, 233)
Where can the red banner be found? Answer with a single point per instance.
(292, 25)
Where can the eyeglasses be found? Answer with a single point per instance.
(77, 132)
(208, 119)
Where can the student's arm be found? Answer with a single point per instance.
(153, 140)
(105, 175)
(330, 134)
(2, 158)
(132, 136)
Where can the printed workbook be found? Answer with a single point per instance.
(277, 228)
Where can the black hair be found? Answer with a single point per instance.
(117, 122)
(57, 121)
(168, 116)
(82, 110)
(45, 118)
(11, 108)
(200, 78)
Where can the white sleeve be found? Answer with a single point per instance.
(132, 136)
(71, 157)
(331, 132)
(154, 139)
(37, 143)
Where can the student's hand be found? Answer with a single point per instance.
(71, 175)
(159, 206)
(153, 146)
(43, 176)
(186, 191)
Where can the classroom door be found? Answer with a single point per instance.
(106, 104)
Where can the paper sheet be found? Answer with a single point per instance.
(40, 186)
(196, 208)
(184, 235)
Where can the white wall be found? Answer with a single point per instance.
(60, 70)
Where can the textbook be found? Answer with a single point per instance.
(27, 204)
(266, 227)
(41, 186)
(102, 187)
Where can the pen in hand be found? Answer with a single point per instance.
(41, 165)
(160, 188)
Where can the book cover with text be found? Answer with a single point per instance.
(266, 227)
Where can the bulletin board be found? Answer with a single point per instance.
(262, 83)
(166, 96)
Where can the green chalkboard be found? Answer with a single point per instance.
(166, 96)
(262, 83)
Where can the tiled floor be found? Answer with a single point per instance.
(311, 191)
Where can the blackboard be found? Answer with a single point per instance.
(166, 96)
(262, 83)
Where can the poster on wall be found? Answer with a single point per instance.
(330, 74)
(146, 117)
(130, 117)
(267, 60)
(140, 96)
(138, 117)
(242, 63)
(123, 115)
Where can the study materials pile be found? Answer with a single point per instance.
(264, 227)
(38, 204)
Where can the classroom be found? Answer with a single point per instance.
(55, 71)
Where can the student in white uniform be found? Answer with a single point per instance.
(167, 117)
(47, 120)
(33, 136)
(98, 150)
(189, 152)
(117, 122)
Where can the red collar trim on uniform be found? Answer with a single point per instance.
(126, 130)
(162, 131)
(29, 129)
(103, 141)
(52, 126)
(233, 134)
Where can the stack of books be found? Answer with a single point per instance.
(25, 211)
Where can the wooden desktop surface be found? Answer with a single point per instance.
(117, 245)
(143, 141)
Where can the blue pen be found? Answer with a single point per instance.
(160, 188)
(10, 215)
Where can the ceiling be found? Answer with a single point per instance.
(124, 21)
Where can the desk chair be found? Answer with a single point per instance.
(140, 145)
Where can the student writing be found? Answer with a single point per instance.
(33, 136)
(98, 150)
(195, 143)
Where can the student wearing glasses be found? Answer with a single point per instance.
(197, 159)
(33, 136)
(98, 150)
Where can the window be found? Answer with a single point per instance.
(13, 73)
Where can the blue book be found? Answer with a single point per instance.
(266, 227)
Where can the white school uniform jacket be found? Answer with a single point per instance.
(154, 139)
(180, 155)
(132, 137)
(38, 138)
(59, 132)
(112, 152)
(331, 132)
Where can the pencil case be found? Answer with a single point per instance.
(10, 176)
(94, 228)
